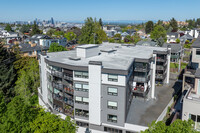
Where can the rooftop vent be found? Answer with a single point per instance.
(108, 50)
(75, 58)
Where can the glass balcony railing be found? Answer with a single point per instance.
(57, 73)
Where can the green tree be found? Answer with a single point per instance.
(58, 33)
(177, 126)
(35, 29)
(160, 22)
(50, 32)
(55, 47)
(158, 33)
(7, 73)
(70, 36)
(174, 25)
(28, 78)
(149, 27)
(25, 28)
(92, 32)
(101, 23)
(17, 116)
(136, 38)
(128, 39)
(50, 123)
(178, 40)
(8, 28)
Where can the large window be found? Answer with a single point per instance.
(80, 74)
(196, 119)
(112, 91)
(81, 87)
(112, 77)
(83, 100)
(112, 118)
(112, 105)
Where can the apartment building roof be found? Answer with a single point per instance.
(196, 43)
(112, 56)
(175, 48)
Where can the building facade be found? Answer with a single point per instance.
(191, 87)
(96, 84)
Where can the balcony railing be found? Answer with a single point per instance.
(68, 90)
(57, 73)
(58, 86)
(141, 69)
(141, 79)
(68, 77)
(140, 91)
(159, 67)
(159, 59)
(69, 85)
(160, 76)
(69, 102)
(190, 71)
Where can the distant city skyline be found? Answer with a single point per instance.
(108, 10)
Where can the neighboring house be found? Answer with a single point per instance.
(11, 37)
(142, 34)
(172, 36)
(131, 31)
(147, 43)
(191, 87)
(185, 38)
(124, 34)
(102, 86)
(28, 49)
(193, 32)
(46, 41)
(176, 51)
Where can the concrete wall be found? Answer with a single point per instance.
(190, 107)
(95, 94)
(195, 58)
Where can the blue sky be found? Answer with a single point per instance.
(78, 10)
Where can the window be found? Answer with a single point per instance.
(81, 87)
(113, 78)
(198, 52)
(112, 105)
(80, 74)
(85, 100)
(112, 91)
(78, 99)
(112, 130)
(196, 119)
(112, 118)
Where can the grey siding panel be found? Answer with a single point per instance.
(120, 99)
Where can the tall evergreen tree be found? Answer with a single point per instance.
(149, 27)
(7, 72)
(101, 23)
(35, 29)
(174, 25)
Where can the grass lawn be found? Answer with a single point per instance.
(175, 65)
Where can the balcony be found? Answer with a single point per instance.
(161, 76)
(189, 71)
(69, 85)
(58, 86)
(68, 77)
(141, 79)
(58, 108)
(57, 73)
(139, 91)
(68, 110)
(159, 67)
(141, 69)
(69, 102)
(160, 59)
(68, 90)
(58, 97)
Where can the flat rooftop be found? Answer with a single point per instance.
(120, 57)
(143, 112)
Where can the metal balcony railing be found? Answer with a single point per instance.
(68, 77)
(57, 73)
